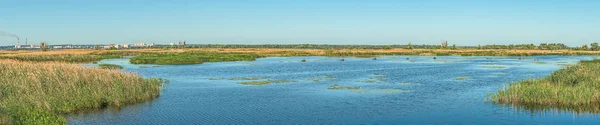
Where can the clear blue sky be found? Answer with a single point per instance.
(461, 22)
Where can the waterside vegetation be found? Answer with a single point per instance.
(40, 92)
(575, 88)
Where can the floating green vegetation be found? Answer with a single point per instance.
(410, 83)
(540, 62)
(573, 88)
(110, 66)
(215, 78)
(191, 58)
(492, 66)
(461, 78)
(363, 91)
(340, 87)
(318, 79)
(266, 82)
(246, 78)
(39, 93)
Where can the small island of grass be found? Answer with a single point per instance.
(575, 88)
(191, 58)
(110, 66)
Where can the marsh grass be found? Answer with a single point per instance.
(38, 93)
(70, 58)
(191, 58)
(110, 66)
(575, 88)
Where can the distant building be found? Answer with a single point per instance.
(125, 45)
(181, 43)
(140, 44)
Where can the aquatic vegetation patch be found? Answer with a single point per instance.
(364, 91)
(38, 93)
(246, 78)
(492, 66)
(215, 78)
(376, 77)
(110, 66)
(573, 88)
(410, 83)
(461, 78)
(340, 87)
(266, 82)
(323, 78)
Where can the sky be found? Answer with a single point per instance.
(461, 22)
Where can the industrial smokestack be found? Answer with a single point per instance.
(26, 41)
(11, 35)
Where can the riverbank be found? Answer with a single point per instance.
(39, 92)
(201, 55)
(574, 88)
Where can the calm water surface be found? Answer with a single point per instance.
(449, 90)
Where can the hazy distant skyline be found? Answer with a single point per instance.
(461, 22)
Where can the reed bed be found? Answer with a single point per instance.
(575, 88)
(70, 58)
(39, 93)
(192, 58)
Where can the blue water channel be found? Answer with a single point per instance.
(325, 90)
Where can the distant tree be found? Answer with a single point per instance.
(453, 46)
(437, 47)
(44, 46)
(112, 48)
(350, 47)
(409, 46)
(388, 47)
(594, 46)
(478, 46)
(585, 47)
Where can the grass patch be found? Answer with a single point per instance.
(110, 66)
(318, 79)
(575, 88)
(38, 93)
(191, 58)
(340, 87)
(246, 78)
